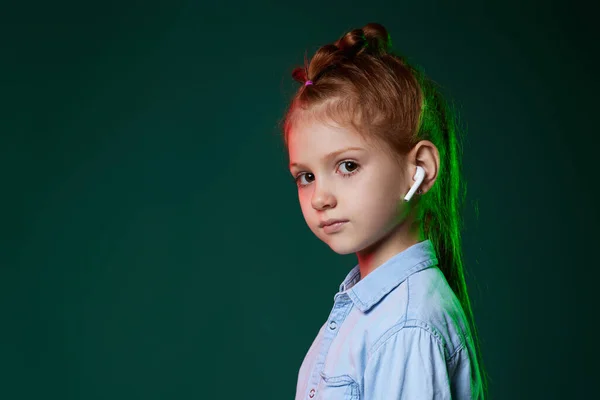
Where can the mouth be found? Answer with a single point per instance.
(334, 227)
(330, 222)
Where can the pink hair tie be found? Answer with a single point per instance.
(308, 83)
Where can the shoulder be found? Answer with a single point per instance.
(413, 334)
(432, 313)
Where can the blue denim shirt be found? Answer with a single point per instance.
(399, 333)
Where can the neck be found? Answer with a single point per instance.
(402, 236)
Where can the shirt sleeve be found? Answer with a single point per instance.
(410, 364)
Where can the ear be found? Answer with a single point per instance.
(426, 155)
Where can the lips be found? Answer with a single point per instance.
(331, 222)
(335, 227)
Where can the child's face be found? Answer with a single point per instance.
(365, 187)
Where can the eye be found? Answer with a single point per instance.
(351, 163)
(351, 166)
(299, 177)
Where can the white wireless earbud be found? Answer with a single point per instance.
(418, 180)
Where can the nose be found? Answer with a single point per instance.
(323, 198)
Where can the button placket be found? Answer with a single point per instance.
(341, 308)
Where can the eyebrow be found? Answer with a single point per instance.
(332, 154)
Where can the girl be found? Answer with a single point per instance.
(374, 151)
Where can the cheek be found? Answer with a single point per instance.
(371, 189)
(376, 198)
(305, 205)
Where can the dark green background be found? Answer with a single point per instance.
(152, 244)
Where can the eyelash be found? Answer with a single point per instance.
(348, 175)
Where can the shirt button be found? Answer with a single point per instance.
(332, 325)
(312, 393)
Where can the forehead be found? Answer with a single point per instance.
(313, 138)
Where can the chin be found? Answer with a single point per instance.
(344, 251)
(340, 247)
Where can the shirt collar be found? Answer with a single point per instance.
(369, 291)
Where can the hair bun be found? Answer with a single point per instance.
(372, 39)
(378, 39)
(299, 75)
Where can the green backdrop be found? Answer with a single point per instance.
(152, 244)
